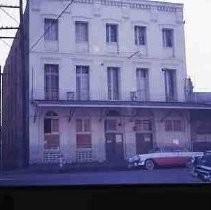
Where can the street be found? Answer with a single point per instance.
(157, 176)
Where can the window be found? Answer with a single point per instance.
(143, 125)
(168, 125)
(177, 125)
(113, 83)
(140, 35)
(111, 125)
(51, 29)
(51, 131)
(51, 81)
(142, 84)
(82, 82)
(81, 31)
(168, 37)
(174, 125)
(170, 84)
(111, 33)
(83, 133)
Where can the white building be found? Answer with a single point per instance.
(106, 79)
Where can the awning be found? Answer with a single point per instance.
(120, 104)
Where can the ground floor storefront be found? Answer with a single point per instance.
(87, 134)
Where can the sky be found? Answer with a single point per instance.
(197, 18)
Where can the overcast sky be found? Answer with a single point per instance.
(197, 17)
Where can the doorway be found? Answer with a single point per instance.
(143, 143)
(114, 147)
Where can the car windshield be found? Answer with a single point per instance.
(174, 149)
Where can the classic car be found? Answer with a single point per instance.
(202, 167)
(163, 156)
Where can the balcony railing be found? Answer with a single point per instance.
(96, 95)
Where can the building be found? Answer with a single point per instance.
(105, 80)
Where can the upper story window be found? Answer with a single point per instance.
(113, 83)
(51, 82)
(140, 35)
(111, 33)
(168, 36)
(170, 84)
(81, 31)
(82, 82)
(142, 78)
(51, 29)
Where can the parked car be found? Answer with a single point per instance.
(202, 167)
(163, 156)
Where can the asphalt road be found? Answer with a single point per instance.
(157, 176)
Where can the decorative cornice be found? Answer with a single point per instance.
(159, 6)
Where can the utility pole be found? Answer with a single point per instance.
(24, 86)
(7, 28)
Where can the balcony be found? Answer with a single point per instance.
(127, 99)
(67, 94)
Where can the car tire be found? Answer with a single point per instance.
(129, 166)
(149, 164)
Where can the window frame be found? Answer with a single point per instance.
(173, 127)
(112, 38)
(165, 33)
(86, 35)
(51, 77)
(140, 35)
(47, 36)
(83, 133)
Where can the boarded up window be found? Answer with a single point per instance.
(83, 133)
(51, 141)
(83, 141)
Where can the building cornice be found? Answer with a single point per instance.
(136, 4)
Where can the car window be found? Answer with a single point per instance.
(154, 150)
(168, 149)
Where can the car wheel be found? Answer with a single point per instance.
(149, 164)
(194, 174)
(129, 166)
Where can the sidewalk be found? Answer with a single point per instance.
(67, 168)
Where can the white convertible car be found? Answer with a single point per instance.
(165, 156)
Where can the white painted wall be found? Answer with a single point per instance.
(99, 56)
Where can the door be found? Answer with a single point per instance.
(142, 84)
(113, 83)
(114, 147)
(82, 82)
(143, 143)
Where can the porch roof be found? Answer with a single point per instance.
(121, 104)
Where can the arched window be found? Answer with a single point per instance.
(51, 130)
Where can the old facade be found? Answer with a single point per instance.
(107, 80)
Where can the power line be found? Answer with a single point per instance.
(51, 25)
(9, 15)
